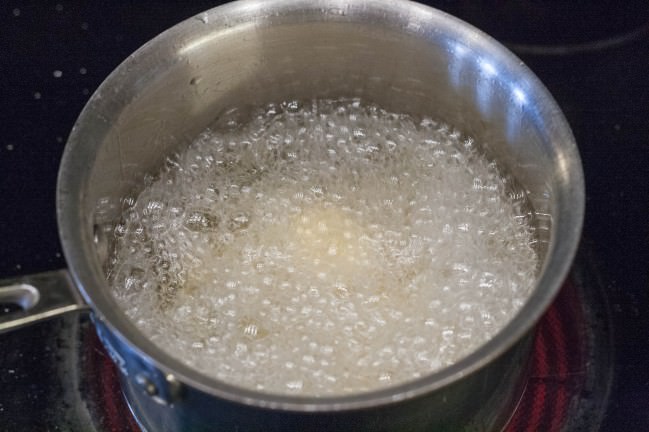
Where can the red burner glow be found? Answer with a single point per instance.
(558, 370)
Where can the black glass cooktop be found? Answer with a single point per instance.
(592, 56)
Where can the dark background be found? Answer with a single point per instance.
(593, 57)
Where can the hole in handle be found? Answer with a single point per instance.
(24, 296)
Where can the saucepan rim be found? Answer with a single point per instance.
(77, 239)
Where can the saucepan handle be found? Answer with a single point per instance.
(40, 296)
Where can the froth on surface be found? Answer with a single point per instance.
(324, 248)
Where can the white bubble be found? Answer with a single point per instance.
(252, 261)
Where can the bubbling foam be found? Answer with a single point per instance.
(324, 248)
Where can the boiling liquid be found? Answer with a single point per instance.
(324, 249)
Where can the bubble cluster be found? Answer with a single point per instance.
(323, 248)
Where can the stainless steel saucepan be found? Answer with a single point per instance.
(400, 55)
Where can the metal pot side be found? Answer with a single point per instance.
(400, 55)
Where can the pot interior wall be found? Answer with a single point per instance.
(174, 91)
